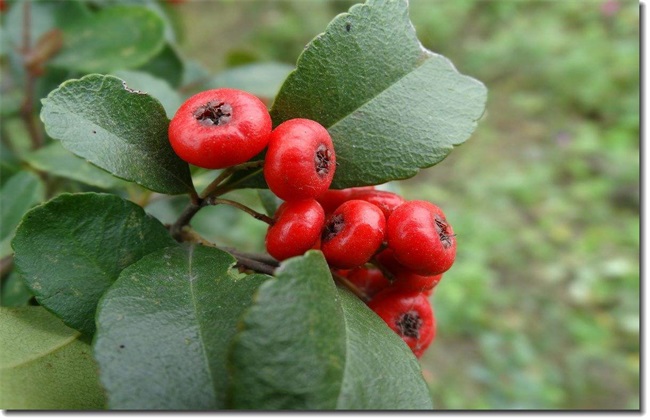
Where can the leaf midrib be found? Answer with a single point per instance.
(204, 350)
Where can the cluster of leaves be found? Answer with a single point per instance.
(155, 324)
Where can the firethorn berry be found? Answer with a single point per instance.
(421, 238)
(331, 199)
(300, 161)
(385, 200)
(369, 280)
(297, 228)
(220, 128)
(409, 314)
(405, 279)
(352, 234)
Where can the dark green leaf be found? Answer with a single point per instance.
(164, 328)
(72, 248)
(56, 160)
(114, 38)
(19, 194)
(44, 364)
(306, 345)
(118, 129)
(260, 79)
(386, 378)
(391, 106)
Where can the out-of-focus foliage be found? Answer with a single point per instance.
(541, 309)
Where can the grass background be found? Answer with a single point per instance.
(541, 309)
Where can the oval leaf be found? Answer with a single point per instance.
(19, 194)
(44, 364)
(118, 129)
(304, 345)
(164, 327)
(390, 105)
(72, 248)
(114, 38)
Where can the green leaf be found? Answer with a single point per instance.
(306, 345)
(56, 160)
(167, 65)
(390, 105)
(19, 194)
(44, 364)
(164, 327)
(270, 201)
(72, 248)
(153, 86)
(118, 129)
(260, 79)
(116, 37)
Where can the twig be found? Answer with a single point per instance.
(260, 263)
(350, 286)
(227, 173)
(259, 216)
(254, 265)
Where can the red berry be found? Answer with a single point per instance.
(220, 128)
(331, 199)
(352, 234)
(421, 238)
(385, 200)
(409, 314)
(369, 280)
(300, 160)
(405, 279)
(297, 229)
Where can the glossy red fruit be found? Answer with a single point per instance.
(352, 234)
(385, 200)
(409, 314)
(421, 238)
(300, 160)
(220, 128)
(369, 280)
(405, 279)
(331, 199)
(297, 229)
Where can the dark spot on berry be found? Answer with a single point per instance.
(323, 160)
(333, 227)
(409, 324)
(348, 26)
(444, 231)
(213, 113)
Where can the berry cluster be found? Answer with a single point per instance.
(391, 251)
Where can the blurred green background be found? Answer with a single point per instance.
(541, 309)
